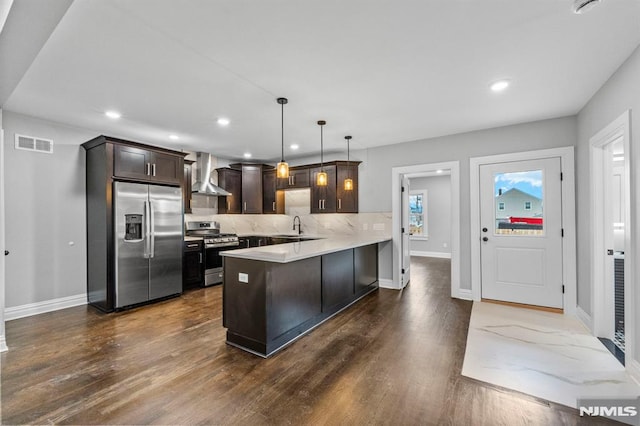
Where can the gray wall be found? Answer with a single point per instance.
(45, 212)
(438, 213)
(620, 93)
(375, 172)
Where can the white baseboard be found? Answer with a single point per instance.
(438, 254)
(45, 306)
(464, 293)
(633, 368)
(584, 318)
(3, 344)
(386, 283)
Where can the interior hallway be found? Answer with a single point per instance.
(392, 358)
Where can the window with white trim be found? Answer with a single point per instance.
(418, 214)
(501, 206)
(527, 205)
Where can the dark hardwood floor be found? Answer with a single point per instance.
(392, 358)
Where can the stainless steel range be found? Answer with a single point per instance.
(214, 243)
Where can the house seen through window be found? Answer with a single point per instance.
(417, 213)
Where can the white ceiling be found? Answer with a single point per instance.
(384, 71)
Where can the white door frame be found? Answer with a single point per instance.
(600, 312)
(568, 217)
(397, 173)
(3, 340)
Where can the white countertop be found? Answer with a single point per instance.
(290, 252)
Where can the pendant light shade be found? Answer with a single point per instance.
(348, 182)
(321, 177)
(282, 169)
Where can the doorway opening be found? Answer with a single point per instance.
(611, 306)
(407, 220)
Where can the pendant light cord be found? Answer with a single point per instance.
(282, 129)
(321, 150)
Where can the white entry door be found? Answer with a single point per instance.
(521, 232)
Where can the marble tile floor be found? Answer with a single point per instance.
(547, 355)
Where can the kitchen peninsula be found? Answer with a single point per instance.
(274, 294)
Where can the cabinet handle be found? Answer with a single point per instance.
(319, 204)
(192, 245)
(245, 206)
(274, 206)
(147, 170)
(228, 206)
(293, 179)
(339, 203)
(200, 257)
(153, 169)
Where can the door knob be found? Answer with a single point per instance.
(484, 229)
(485, 239)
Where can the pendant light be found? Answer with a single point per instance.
(321, 177)
(348, 182)
(282, 169)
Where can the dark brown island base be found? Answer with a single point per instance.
(273, 295)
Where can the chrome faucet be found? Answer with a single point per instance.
(299, 224)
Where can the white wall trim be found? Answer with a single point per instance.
(584, 318)
(387, 283)
(633, 368)
(3, 344)
(567, 165)
(437, 254)
(419, 170)
(46, 306)
(465, 294)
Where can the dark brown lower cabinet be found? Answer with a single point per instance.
(267, 305)
(337, 279)
(192, 264)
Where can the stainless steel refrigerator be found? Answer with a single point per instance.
(148, 242)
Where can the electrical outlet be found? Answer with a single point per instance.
(365, 226)
(243, 278)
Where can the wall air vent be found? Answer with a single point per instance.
(31, 143)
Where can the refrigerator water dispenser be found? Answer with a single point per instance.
(133, 228)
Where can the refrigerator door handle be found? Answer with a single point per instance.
(147, 230)
(153, 231)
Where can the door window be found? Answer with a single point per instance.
(519, 203)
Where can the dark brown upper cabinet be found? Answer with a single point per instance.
(186, 188)
(251, 189)
(298, 178)
(346, 201)
(272, 198)
(323, 198)
(144, 164)
(231, 180)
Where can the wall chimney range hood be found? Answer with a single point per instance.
(203, 184)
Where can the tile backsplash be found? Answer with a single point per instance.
(312, 224)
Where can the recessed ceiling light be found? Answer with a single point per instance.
(583, 6)
(500, 85)
(223, 121)
(247, 155)
(439, 171)
(113, 114)
(174, 137)
(295, 146)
